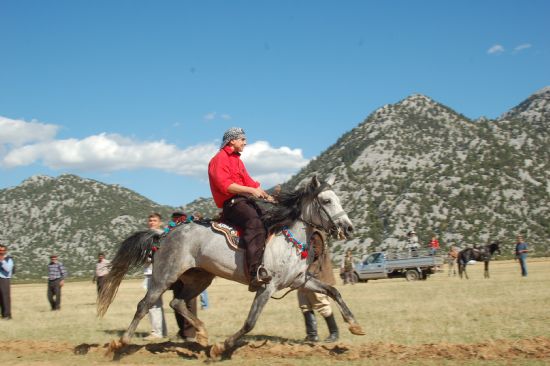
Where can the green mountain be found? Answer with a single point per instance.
(414, 164)
(73, 217)
(419, 164)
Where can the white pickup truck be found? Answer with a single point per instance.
(416, 265)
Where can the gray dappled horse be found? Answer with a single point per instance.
(194, 254)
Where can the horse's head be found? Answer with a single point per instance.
(322, 208)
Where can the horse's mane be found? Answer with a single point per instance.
(287, 209)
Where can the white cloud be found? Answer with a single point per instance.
(495, 49)
(17, 132)
(270, 165)
(111, 152)
(209, 116)
(522, 47)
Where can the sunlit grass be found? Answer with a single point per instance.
(440, 309)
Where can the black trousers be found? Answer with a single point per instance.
(99, 282)
(186, 330)
(246, 214)
(54, 293)
(5, 298)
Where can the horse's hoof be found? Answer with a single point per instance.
(113, 347)
(356, 329)
(216, 351)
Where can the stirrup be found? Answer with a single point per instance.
(262, 275)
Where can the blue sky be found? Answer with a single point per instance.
(139, 93)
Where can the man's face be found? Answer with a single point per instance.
(54, 260)
(238, 144)
(100, 258)
(153, 222)
(3, 252)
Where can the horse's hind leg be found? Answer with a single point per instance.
(261, 298)
(153, 294)
(320, 287)
(195, 283)
(486, 272)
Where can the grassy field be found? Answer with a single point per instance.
(404, 321)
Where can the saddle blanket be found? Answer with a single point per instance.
(232, 235)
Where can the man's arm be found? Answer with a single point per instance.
(238, 189)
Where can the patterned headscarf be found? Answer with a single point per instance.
(234, 133)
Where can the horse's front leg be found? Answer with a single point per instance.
(261, 298)
(486, 273)
(314, 284)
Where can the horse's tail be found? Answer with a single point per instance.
(133, 252)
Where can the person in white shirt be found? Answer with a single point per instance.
(156, 313)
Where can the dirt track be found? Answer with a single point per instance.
(536, 348)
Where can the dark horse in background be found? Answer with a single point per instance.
(477, 254)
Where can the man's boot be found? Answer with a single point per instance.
(332, 328)
(311, 327)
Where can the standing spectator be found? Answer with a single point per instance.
(521, 254)
(102, 268)
(186, 331)
(56, 279)
(6, 272)
(434, 245)
(412, 243)
(204, 300)
(452, 255)
(156, 312)
(347, 267)
(321, 268)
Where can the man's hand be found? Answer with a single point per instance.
(259, 193)
(61, 283)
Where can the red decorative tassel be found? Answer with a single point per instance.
(154, 249)
(304, 254)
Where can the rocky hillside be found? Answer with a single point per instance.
(419, 164)
(414, 164)
(73, 217)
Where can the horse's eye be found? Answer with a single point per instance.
(327, 202)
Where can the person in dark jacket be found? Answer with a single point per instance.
(56, 279)
(6, 272)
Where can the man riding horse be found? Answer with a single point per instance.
(232, 189)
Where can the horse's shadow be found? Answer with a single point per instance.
(245, 340)
(186, 350)
(120, 332)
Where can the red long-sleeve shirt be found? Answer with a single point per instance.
(225, 168)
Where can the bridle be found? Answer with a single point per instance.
(329, 219)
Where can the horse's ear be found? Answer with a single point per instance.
(315, 182)
(331, 179)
